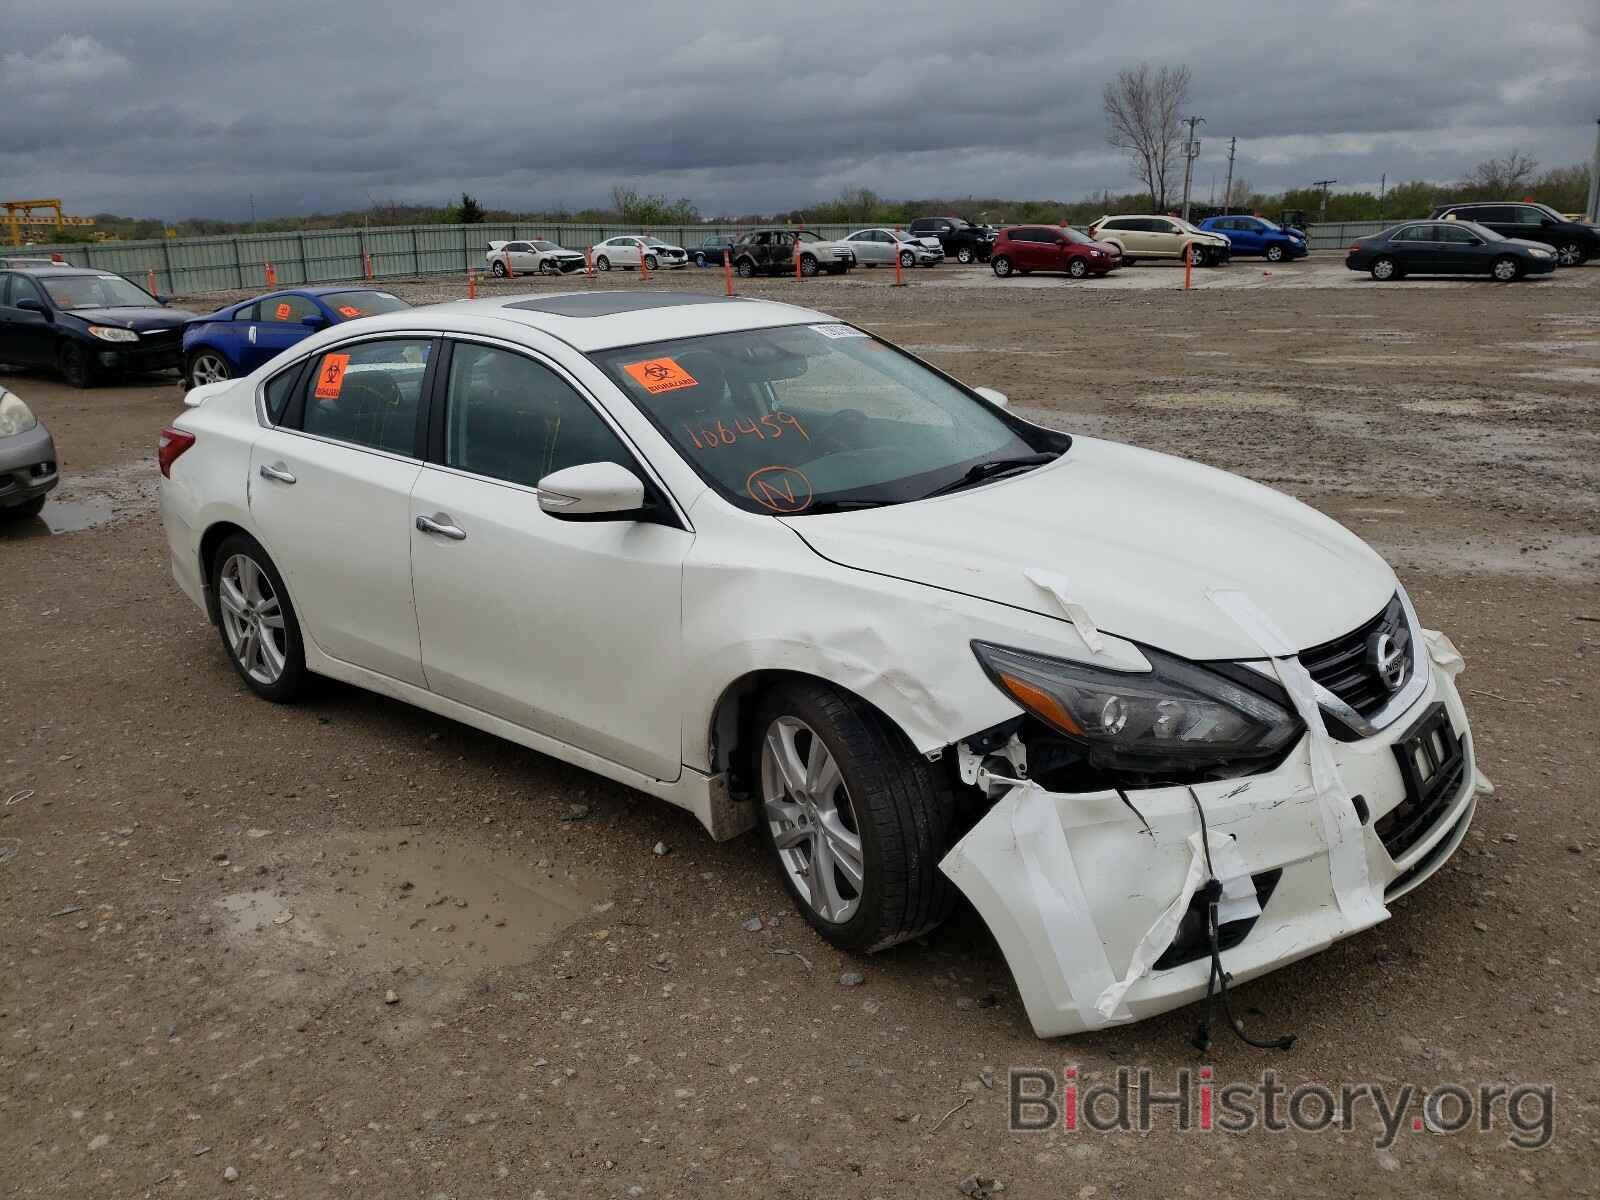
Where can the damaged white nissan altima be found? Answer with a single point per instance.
(1157, 722)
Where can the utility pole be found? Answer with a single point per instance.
(1227, 192)
(1593, 207)
(1324, 184)
(1383, 187)
(1191, 151)
(252, 212)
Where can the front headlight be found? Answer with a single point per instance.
(15, 416)
(1177, 714)
(110, 333)
(1542, 253)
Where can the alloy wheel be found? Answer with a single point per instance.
(1078, 268)
(1505, 269)
(1274, 253)
(1569, 255)
(1383, 269)
(208, 368)
(252, 619)
(964, 255)
(812, 820)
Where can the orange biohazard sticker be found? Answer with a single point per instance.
(349, 310)
(281, 313)
(660, 375)
(330, 376)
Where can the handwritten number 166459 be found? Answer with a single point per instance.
(769, 425)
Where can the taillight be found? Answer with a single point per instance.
(173, 443)
(1355, 245)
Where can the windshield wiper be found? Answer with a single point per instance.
(990, 468)
(830, 506)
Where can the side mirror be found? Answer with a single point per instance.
(998, 399)
(29, 304)
(163, 298)
(314, 321)
(597, 489)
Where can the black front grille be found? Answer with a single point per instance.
(1345, 667)
(1192, 940)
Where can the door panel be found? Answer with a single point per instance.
(340, 535)
(568, 628)
(26, 338)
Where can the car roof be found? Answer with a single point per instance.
(590, 321)
(59, 269)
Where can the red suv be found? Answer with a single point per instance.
(1024, 248)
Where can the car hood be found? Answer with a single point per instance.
(142, 319)
(1140, 538)
(1522, 244)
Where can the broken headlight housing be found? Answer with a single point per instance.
(1176, 717)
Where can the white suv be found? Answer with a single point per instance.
(1161, 237)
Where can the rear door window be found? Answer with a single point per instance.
(1415, 233)
(368, 393)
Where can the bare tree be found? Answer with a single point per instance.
(1144, 108)
(1503, 178)
(1239, 195)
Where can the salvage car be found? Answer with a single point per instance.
(534, 257)
(961, 239)
(755, 561)
(874, 247)
(1574, 241)
(1161, 237)
(238, 338)
(712, 248)
(1447, 247)
(28, 470)
(773, 251)
(1257, 235)
(628, 250)
(1023, 249)
(87, 324)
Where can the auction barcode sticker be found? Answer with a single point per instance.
(838, 331)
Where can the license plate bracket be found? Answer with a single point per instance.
(1432, 760)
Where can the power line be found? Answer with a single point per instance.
(1324, 184)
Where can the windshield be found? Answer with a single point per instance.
(363, 303)
(808, 418)
(805, 235)
(1182, 224)
(95, 291)
(654, 241)
(541, 244)
(1550, 212)
(1266, 224)
(1483, 231)
(1072, 235)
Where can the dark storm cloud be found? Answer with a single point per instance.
(172, 109)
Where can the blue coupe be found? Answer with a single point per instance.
(1257, 235)
(237, 339)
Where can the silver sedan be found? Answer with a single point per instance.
(880, 246)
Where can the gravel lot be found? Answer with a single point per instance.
(348, 949)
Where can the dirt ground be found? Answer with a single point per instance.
(348, 949)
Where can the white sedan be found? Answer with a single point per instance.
(629, 250)
(535, 257)
(1149, 717)
(876, 246)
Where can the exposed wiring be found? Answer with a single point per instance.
(1217, 981)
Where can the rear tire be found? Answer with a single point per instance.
(256, 619)
(1000, 264)
(1570, 255)
(76, 367)
(1385, 269)
(855, 818)
(1505, 269)
(206, 365)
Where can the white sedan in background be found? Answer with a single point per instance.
(535, 257)
(874, 247)
(629, 250)
(1148, 716)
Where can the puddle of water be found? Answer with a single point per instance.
(87, 501)
(399, 898)
(1219, 398)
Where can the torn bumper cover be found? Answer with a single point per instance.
(1092, 909)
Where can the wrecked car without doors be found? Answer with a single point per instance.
(759, 563)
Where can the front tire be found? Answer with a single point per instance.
(498, 269)
(1000, 264)
(603, 263)
(907, 259)
(1385, 269)
(256, 618)
(699, 259)
(1274, 254)
(76, 367)
(965, 255)
(808, 265)
(1077, 268)
(650, 262)
(1505, 269)
(746, 268)
(856, 819)
(207, 366)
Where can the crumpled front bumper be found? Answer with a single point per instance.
(1071, 885)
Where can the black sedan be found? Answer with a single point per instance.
(1448, 248)
(87, 324)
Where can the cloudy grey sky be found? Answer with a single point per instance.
(173, 108)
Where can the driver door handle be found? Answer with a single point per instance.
(441, 524)
(277, 471)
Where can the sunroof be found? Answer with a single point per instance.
(605, 304)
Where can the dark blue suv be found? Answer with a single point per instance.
(1257, 235)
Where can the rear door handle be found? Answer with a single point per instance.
(277, 471)
(441, 524)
